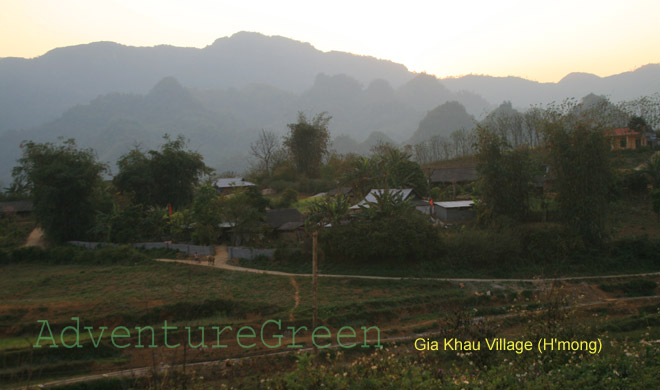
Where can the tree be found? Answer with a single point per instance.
(207, 214)
(266, 149)
(161, 177)
(243, 217)
(651, 170)
(307, 143)
(390, 230)
(136, 177)
(386, 167)
(64, 183)
(655, 202)
(329, 210)
(401, 172)
(505, 175)
(580, 160)
(647, 108)
(360, 175)
(638, 123)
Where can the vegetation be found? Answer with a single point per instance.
(307, 143)
(161, 177)
(388, 231)
(580, 159)
(560, 230)
(64, 183)
(505, 178)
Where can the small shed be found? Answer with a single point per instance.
(454, 211)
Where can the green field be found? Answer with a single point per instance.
(148, 292)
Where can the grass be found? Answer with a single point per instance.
(585, 264)
(632, 288)
(147, 292)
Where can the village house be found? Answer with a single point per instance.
(454, 211)
(229, 184)
(287, 224)
(19, 208)
(453, 175)
(372, 196)
(625, 138)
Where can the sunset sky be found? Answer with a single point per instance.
(538, 40)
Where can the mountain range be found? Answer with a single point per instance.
(112, 97)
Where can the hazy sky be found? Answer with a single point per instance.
(539, 40)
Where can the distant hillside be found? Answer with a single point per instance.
(442, 121)
(113, 124)
(221, 123)
(522, 93)
(33, 91)
(36, 90)
(110, 96)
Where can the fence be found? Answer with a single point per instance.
(201, 250)
(236, 252)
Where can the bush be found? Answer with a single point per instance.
(483, 249)
(633, 288)
(405, 238)
(636, 249)
(124, 254)
(546, 244)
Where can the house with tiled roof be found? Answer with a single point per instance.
(625, 138)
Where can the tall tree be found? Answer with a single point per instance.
(505, 175)
(307, 142)
(580, 160)
(161, 177)
(206, 212)
(266, 149)
(64, 183)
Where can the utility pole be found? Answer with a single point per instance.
(315, 270)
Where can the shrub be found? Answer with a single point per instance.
(479, 249)
(633, 288)
(407, 238)
(546, 244)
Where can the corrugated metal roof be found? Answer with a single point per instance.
(278, 217)
(232, 182)
(455, 204)
(340, 190)
(290, 226)
(405, 193)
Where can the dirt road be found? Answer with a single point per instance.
(222, 259)
(36, 238)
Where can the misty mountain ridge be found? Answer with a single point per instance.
(33, 91)
(39, 89)
(111, 97)
(221, 123)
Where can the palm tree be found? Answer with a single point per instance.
(361, 176)
(330, 210)
(651, 170)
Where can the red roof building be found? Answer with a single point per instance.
(625, 138)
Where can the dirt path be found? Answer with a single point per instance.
(296, 298)
(222, 259)
(36, 238)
